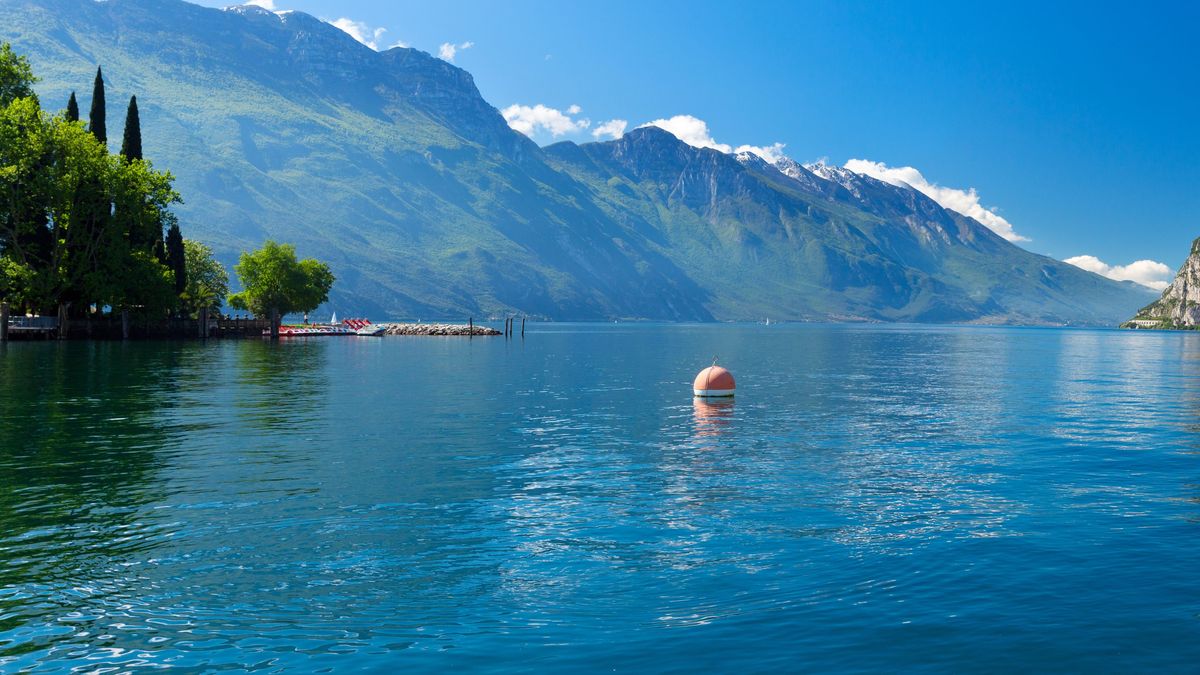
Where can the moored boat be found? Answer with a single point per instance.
(334, 327)
(365, 327)
(311, 330)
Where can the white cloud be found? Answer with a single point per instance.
(1149, 273)
(965, 202)
(265, 4)
(612, 128)
(398, 43)
(448, 50)
(771, 153)
(691, 130)
(360, 31)
(694, 131)
(530, 119)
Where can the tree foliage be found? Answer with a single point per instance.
(72, 109)
(16, 77)
(97, 123)
(131, 142)
(177, 258)
(275, 283)
(79, 226)
(14, 281)
(207, 280)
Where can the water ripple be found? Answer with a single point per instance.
(875, 497)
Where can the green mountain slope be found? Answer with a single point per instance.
(393, 168)
(806, 246)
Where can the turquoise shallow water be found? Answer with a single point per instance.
(875, 498)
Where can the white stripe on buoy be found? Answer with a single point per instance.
(713, 382)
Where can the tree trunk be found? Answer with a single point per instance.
(63, 326)
(275, 318)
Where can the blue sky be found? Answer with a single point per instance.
(1077, 124)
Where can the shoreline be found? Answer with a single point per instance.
(438, 329)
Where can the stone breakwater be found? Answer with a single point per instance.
(437, 329)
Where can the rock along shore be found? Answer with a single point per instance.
(437, 329)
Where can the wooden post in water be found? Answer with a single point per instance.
(471, 327)
(275, 318)
(3, 322)
(124, 324)
(204, 323)
(63, 327)
(522, 328)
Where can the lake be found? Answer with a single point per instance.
(875, 497)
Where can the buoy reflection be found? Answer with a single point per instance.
(712, 416)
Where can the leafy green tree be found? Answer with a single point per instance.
(177, 258)
(276, 283)
(131, 143)
(142, 285)
(207, 280)
(15, 281)
(96, 118)
(72, 109)
(142, 201)
(79, 226)
(32, 231)
(57, 183)
(16, 77)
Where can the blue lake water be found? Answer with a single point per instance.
(875, 497)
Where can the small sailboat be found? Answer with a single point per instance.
(334, 327)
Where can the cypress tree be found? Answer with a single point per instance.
(96, 123)
(131, 144)
(176, 259)
(72, 109)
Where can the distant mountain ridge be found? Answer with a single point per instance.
(392, 167)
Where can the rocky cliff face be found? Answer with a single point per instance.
(1179, 306)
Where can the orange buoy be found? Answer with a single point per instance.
(713, 381)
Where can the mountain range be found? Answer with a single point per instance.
(392, 167)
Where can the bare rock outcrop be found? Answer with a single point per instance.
(1179, 306)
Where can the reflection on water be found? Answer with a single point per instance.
(80, 447)
(877, 497)
(280, 385)
(712, 416)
